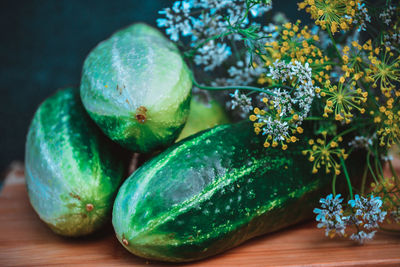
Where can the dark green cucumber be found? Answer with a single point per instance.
(213, 191)
(72, 170)
(137, 88)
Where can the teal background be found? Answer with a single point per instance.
(42, 48)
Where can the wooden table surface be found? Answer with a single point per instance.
(26, 241)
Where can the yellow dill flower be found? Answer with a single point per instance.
(354, 64)
(298, 46)
(342, 100)
(389, 192)
(331, 14)
(388, 121)
(324, 153)
(281, 113)
(384, 70)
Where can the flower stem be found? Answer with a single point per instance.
(347, 177)
(348, 131)
(334, 45)
(378, 166)
(393, 171)
(364, 179)
(250, 88)
(334, 185)
(370, 168)
(317, 119)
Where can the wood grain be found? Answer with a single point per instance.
(26, 241)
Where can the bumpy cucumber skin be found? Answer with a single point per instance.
(72, 170)
(203, 116)
(137, 88)
(213, 191)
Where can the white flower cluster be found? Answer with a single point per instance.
(361, 17)
(242, 102)
(366, 218)
(362, 142)
(392, 40)
(278, 129)
(387, 158)
(177, 20)
(286, 101)
(330, 215)
(212, 55)
(387, 14)
(243, 73)
(201, 19)
(213, 16)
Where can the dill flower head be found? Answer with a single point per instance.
(363, 214)
(366, 216)
(390, 195)
(331, 14)
(324, 153)
(330, 215)
(384, 69)
(287, 106)
(201, 20)
(295, 43)
(388, 121)
(342, 99)
(241, 102)
(354, 60)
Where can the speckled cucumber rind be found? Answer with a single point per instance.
(137, 88)
(73, 170)
(213, 191)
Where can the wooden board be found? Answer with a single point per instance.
(26, 241)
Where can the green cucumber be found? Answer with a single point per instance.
(213, 191)
(73, 171)
(137, 88)
(202, 116)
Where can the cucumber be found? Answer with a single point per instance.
(202, 116)
(73, 171)
(213, 191)
(137, 88)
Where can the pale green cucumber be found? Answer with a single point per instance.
(203, 115)
(137, 88)
(72, 170)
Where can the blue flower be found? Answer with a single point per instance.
(212, 55)
(177, 19)
(368, 211)
(260, 9)
(362, 236)
(367, 215)
(211, 19)
(330, 216)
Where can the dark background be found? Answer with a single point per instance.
(42, 48)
